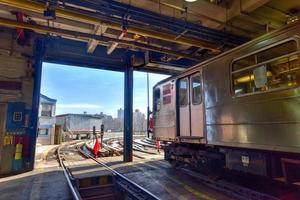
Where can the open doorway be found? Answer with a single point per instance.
(75, 102)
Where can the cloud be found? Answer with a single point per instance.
(78, 105)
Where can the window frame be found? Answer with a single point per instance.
(187, 93)
(155, 99)
(46, 131)
(295, 39)
(191, 87)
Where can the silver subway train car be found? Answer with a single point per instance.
(238, 111)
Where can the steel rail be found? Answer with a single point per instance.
(67, 174)
(124, 182)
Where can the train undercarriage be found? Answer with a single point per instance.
(214, 161)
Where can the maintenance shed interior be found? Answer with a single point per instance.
(152, 36)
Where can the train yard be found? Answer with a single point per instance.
(151, 177)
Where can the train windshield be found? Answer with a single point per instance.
(275, 68)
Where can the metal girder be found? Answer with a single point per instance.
(70, 52)
(92, 44)
(38, 62)
(216, 16)
(65, 51)
(112, 47)
(160, 21)
(87, 36)
(128, 111)
(244, 6)
(76, 15)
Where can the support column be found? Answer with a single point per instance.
(128, 109)
(38, 62)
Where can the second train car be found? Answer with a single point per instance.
(238, 111)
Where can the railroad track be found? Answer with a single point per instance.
(132, 190)
(125, 188)
(111, 185)
(69, 177)
(114, 146)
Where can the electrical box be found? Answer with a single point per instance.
(15, 117)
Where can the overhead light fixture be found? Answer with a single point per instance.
(191, 0)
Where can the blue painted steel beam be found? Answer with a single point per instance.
(38, 62)
(128, 110)
(70, 52)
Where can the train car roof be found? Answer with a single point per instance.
(164, 80)
(251, 42)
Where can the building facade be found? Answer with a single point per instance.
(139, 121)
(79, 123)
(120, 114)
(47, 120)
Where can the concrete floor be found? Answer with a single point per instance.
(155, 174)
(40, 184)
(47, 181)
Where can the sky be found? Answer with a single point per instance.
(80, 89)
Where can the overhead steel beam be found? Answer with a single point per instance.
(87, 36)
(115, 44)
(92, 44)
(216, 16)
(158, 17)
(244, 6)
(128, 111)
(38, 7)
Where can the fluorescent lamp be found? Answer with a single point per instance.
(190, 0)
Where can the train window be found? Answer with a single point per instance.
(156, 99)
(272, 69)
(183, 92)
(196, 89)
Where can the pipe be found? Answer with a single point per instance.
(88, 36)
(38, 7)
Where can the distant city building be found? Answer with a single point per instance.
(139, 121)
(46, 126)
(120, 113)
(111, 124)
(79, 123)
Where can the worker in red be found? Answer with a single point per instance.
(150, 125)
(157, 142)
(97, 147)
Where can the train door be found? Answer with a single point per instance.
(184, 109)
(190, 106)
(196, 107)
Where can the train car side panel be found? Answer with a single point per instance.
(164, 110)
(258, 117)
